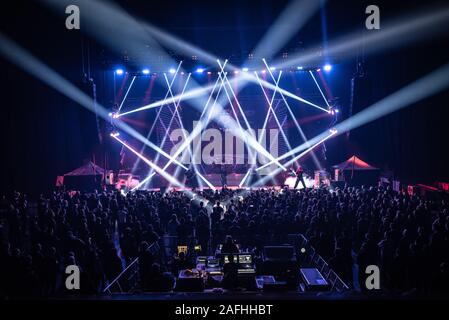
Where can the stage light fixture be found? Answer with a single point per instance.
(337, 111)
(209, 73)
(245, 69)
(110, 114)
(236, 72)
(272, 68)
(115, 134)
(299, 67)
(199, 70)
(264, 71)
(172, 70)
(119, 72)
(146, 71)
(327, 67)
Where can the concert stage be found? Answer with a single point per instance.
(254, 139)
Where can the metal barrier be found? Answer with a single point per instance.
(314, 259)
(131, 270)
(128, 279)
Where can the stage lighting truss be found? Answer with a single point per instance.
(126, 94)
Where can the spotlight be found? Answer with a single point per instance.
(146, 71)
(327, 67)
(299, 67)
(236, 72)
(208, 72)
(333, 131)
(319, 69)
(119, 72)
(245, 69)
(110, 114)
(264, 71)
(114, 134)
(172, 70)
(199, 70)
(337, 111)
(272, 68)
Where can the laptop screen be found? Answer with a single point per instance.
(245, 258)
(226, 259)
(182, 249)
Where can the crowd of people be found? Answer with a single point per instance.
(103, 232)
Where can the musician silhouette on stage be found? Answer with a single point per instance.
(223, 176)
(299, 177)
(191, 178)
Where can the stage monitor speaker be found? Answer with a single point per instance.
(189, 282)
(163, 189)
(90, 135)
(313, 280)
(279, 253)
(280, 261)
(361, 94)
